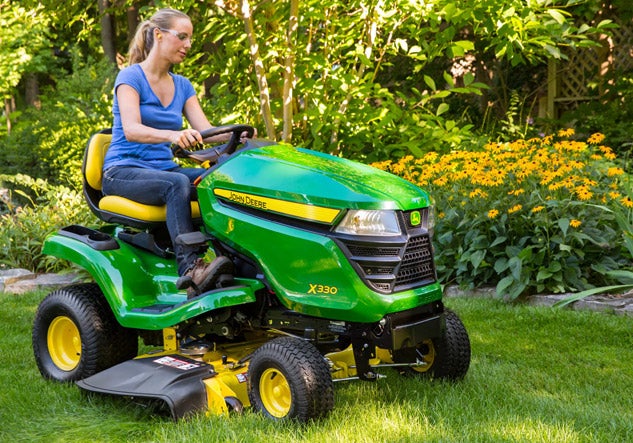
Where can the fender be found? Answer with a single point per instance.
(140, 287)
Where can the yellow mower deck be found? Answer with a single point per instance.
(194, 379)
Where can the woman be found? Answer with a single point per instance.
(149, 103)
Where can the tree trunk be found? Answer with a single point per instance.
(289, 76)
(264, 95)
(32, 90)
(132, 20)
(107, 30)
(208, 48)
(9, 107)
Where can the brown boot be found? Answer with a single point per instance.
(205, 275)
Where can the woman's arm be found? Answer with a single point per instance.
(198, 120)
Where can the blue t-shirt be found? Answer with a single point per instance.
(153, 114)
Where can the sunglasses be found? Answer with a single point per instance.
(182, 36)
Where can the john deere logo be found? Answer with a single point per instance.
(415, 218)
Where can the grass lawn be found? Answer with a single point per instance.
(537, 375)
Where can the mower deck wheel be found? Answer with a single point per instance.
(289, 379)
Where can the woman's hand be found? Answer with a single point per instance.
(187, 138)
(244, 135)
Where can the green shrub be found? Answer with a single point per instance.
(48, 142)
(528, 216)
(23, 227)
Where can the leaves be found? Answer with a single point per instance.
(23, 44)
(45, 209)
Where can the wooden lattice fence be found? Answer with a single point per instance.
(585, 75)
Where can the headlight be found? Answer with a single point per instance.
(369, 222)
(430, 224)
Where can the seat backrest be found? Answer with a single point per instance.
(113, 208)
(93, 160)
(92, 170)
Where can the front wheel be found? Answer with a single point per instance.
(75, 334)
(289, 379)
(447, 356)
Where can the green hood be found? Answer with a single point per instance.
(308, 177)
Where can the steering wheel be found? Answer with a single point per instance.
(217, 153)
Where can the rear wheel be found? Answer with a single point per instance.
(75, 334)
(289, 379)
(447, 356)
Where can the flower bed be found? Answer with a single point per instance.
(550, 214)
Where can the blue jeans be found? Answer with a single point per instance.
(155, 187)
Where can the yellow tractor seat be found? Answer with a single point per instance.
(112, 208)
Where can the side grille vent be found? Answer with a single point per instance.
(417, 263)
(367, 251)
(395, 267)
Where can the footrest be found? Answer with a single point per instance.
(144, 241)
(184, 282)
(196, 238)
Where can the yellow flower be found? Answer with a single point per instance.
(575, 223)
(566, 132)
(514, 209)
(492, 146)
(615, 171)
(478, 193)
(398, 168)
(608, 152)
(384, 165)
(538, 208)
(626, 201)
(493, 213)
(583, 193)
(595, 139)
(547, 176)
(574, 164)
(555, 186)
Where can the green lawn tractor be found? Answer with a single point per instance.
(333, 280)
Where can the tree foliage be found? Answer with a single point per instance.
(366, 79)
(24, 39)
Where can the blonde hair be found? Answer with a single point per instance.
(143, 40)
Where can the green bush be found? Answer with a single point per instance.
(23, 228)
(48, 142)
(542, 215)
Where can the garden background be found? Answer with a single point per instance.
(532, 193)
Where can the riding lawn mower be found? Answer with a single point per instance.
(333, 279)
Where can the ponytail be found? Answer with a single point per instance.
(141, 43)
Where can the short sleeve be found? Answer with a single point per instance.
(185, 86)
(129, 76)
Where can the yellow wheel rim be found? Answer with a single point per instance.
(274, 391)
(427, 358)
(64, 343)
